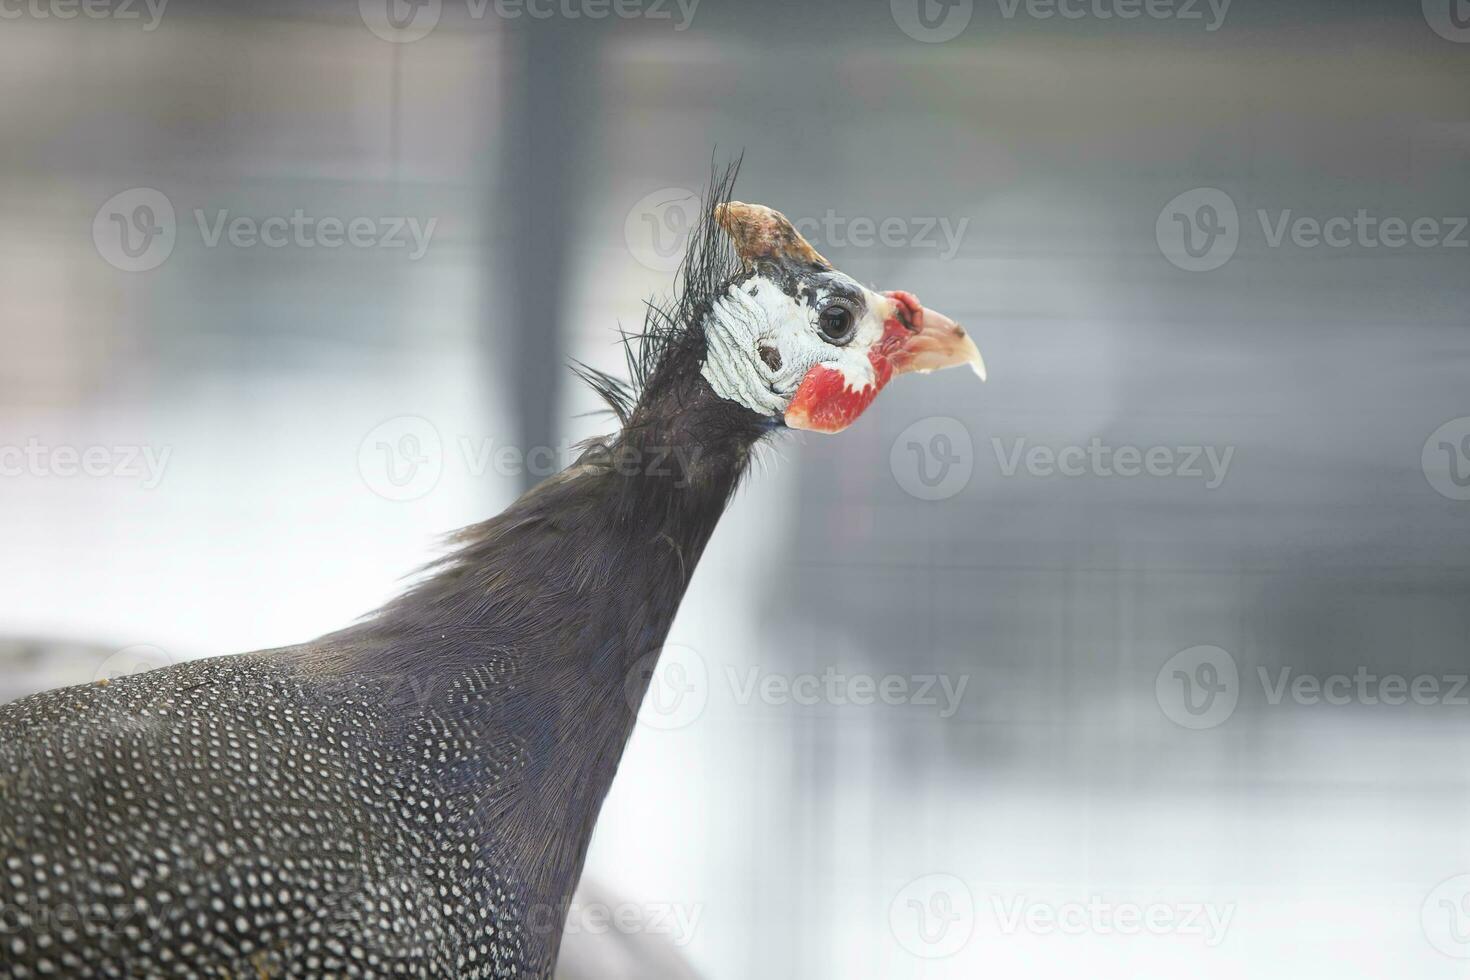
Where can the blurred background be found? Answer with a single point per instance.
(1145, 659)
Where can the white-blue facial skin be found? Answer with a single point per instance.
(757, 313)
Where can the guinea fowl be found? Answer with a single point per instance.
(414, 795)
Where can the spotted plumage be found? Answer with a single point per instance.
(240, 817)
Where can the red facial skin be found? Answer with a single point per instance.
(825, 403)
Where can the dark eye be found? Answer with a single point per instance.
(835, 324)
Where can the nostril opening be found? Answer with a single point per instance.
(771, 356)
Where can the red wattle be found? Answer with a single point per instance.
(825, 403)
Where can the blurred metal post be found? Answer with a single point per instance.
(551, 109)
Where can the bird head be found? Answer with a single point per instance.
(794, 340)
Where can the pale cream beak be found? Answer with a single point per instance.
(939, 343)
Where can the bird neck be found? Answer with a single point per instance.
(576, 583)
(680, 458)
(535, 641)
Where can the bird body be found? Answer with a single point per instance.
(413, 796)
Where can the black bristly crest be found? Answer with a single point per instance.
(673, 330)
